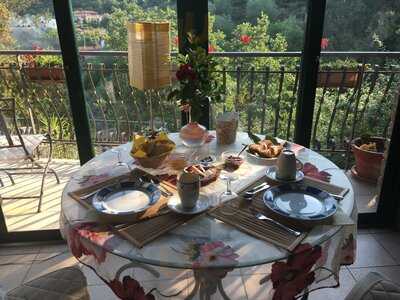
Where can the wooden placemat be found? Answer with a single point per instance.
(146, 227)
(81, 195)
(240, 213)
(144, 232)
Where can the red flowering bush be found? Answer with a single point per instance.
(245, 39)
(291, 277)
(324, 43)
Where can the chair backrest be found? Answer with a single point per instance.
(8, 109)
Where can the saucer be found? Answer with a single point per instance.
(271, 174)
(174, 203)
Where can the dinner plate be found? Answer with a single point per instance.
(126, 198)
(271, 174)
(174, 203)
(300, 202)
(262, 160)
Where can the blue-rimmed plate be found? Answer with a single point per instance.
(300, 202)
(126, 198)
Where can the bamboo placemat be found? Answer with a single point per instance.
(80, 195)
(240, 213)
(154, 222)
(144, 232)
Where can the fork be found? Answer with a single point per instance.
(263, 217)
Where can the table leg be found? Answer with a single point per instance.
(208, 282)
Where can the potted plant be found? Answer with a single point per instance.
(368, 153)
(197, 85)
(338, 74)
(44, 68)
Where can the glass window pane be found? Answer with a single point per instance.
(36, 81)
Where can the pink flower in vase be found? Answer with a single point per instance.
(185, 108)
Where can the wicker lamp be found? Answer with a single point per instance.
(149, 57)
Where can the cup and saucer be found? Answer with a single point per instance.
(175, 204)
(189, 201)
(287, 169)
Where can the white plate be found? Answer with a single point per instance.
(271, 174)
(261, 160)
(126, 198)
(174, 203)
(300, 202)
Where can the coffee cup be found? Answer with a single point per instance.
(188, 190)
(286, 166)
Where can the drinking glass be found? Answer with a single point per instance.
(228, 175)
(120, 166)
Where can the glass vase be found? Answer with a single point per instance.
(193, 135)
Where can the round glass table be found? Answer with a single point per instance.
(218, 247)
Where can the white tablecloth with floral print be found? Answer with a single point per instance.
(209, 247)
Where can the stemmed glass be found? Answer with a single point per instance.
(232, 163)
(120, 163)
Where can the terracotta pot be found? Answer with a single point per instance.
(55, 74)
(336, 77)
(368, 163)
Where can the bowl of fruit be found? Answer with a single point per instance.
(151, 151)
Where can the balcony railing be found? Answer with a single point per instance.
(262, 87)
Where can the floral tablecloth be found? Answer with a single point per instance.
(213, 249)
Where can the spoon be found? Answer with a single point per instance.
(244, 148)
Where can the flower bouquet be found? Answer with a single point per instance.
(197, 85)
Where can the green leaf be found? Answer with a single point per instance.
(272, 139)
(253, 137)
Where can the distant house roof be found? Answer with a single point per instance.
(88, 14)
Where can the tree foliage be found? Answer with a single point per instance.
(5, 36)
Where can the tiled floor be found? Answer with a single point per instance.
(378, 250)
(21, 214)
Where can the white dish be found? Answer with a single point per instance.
(300, 202)
(261, 160)
(271, 174)
(174, 203)
(126, 198)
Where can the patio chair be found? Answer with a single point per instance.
(17, 151)
(374, 287)
(65, 284)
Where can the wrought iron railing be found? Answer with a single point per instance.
(262, 87)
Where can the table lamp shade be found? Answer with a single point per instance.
(149, 55)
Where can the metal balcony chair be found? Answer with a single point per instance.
(19, 149)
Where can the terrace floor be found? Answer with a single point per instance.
(21, 213)
(377, 250)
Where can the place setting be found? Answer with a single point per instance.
(284, 205)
